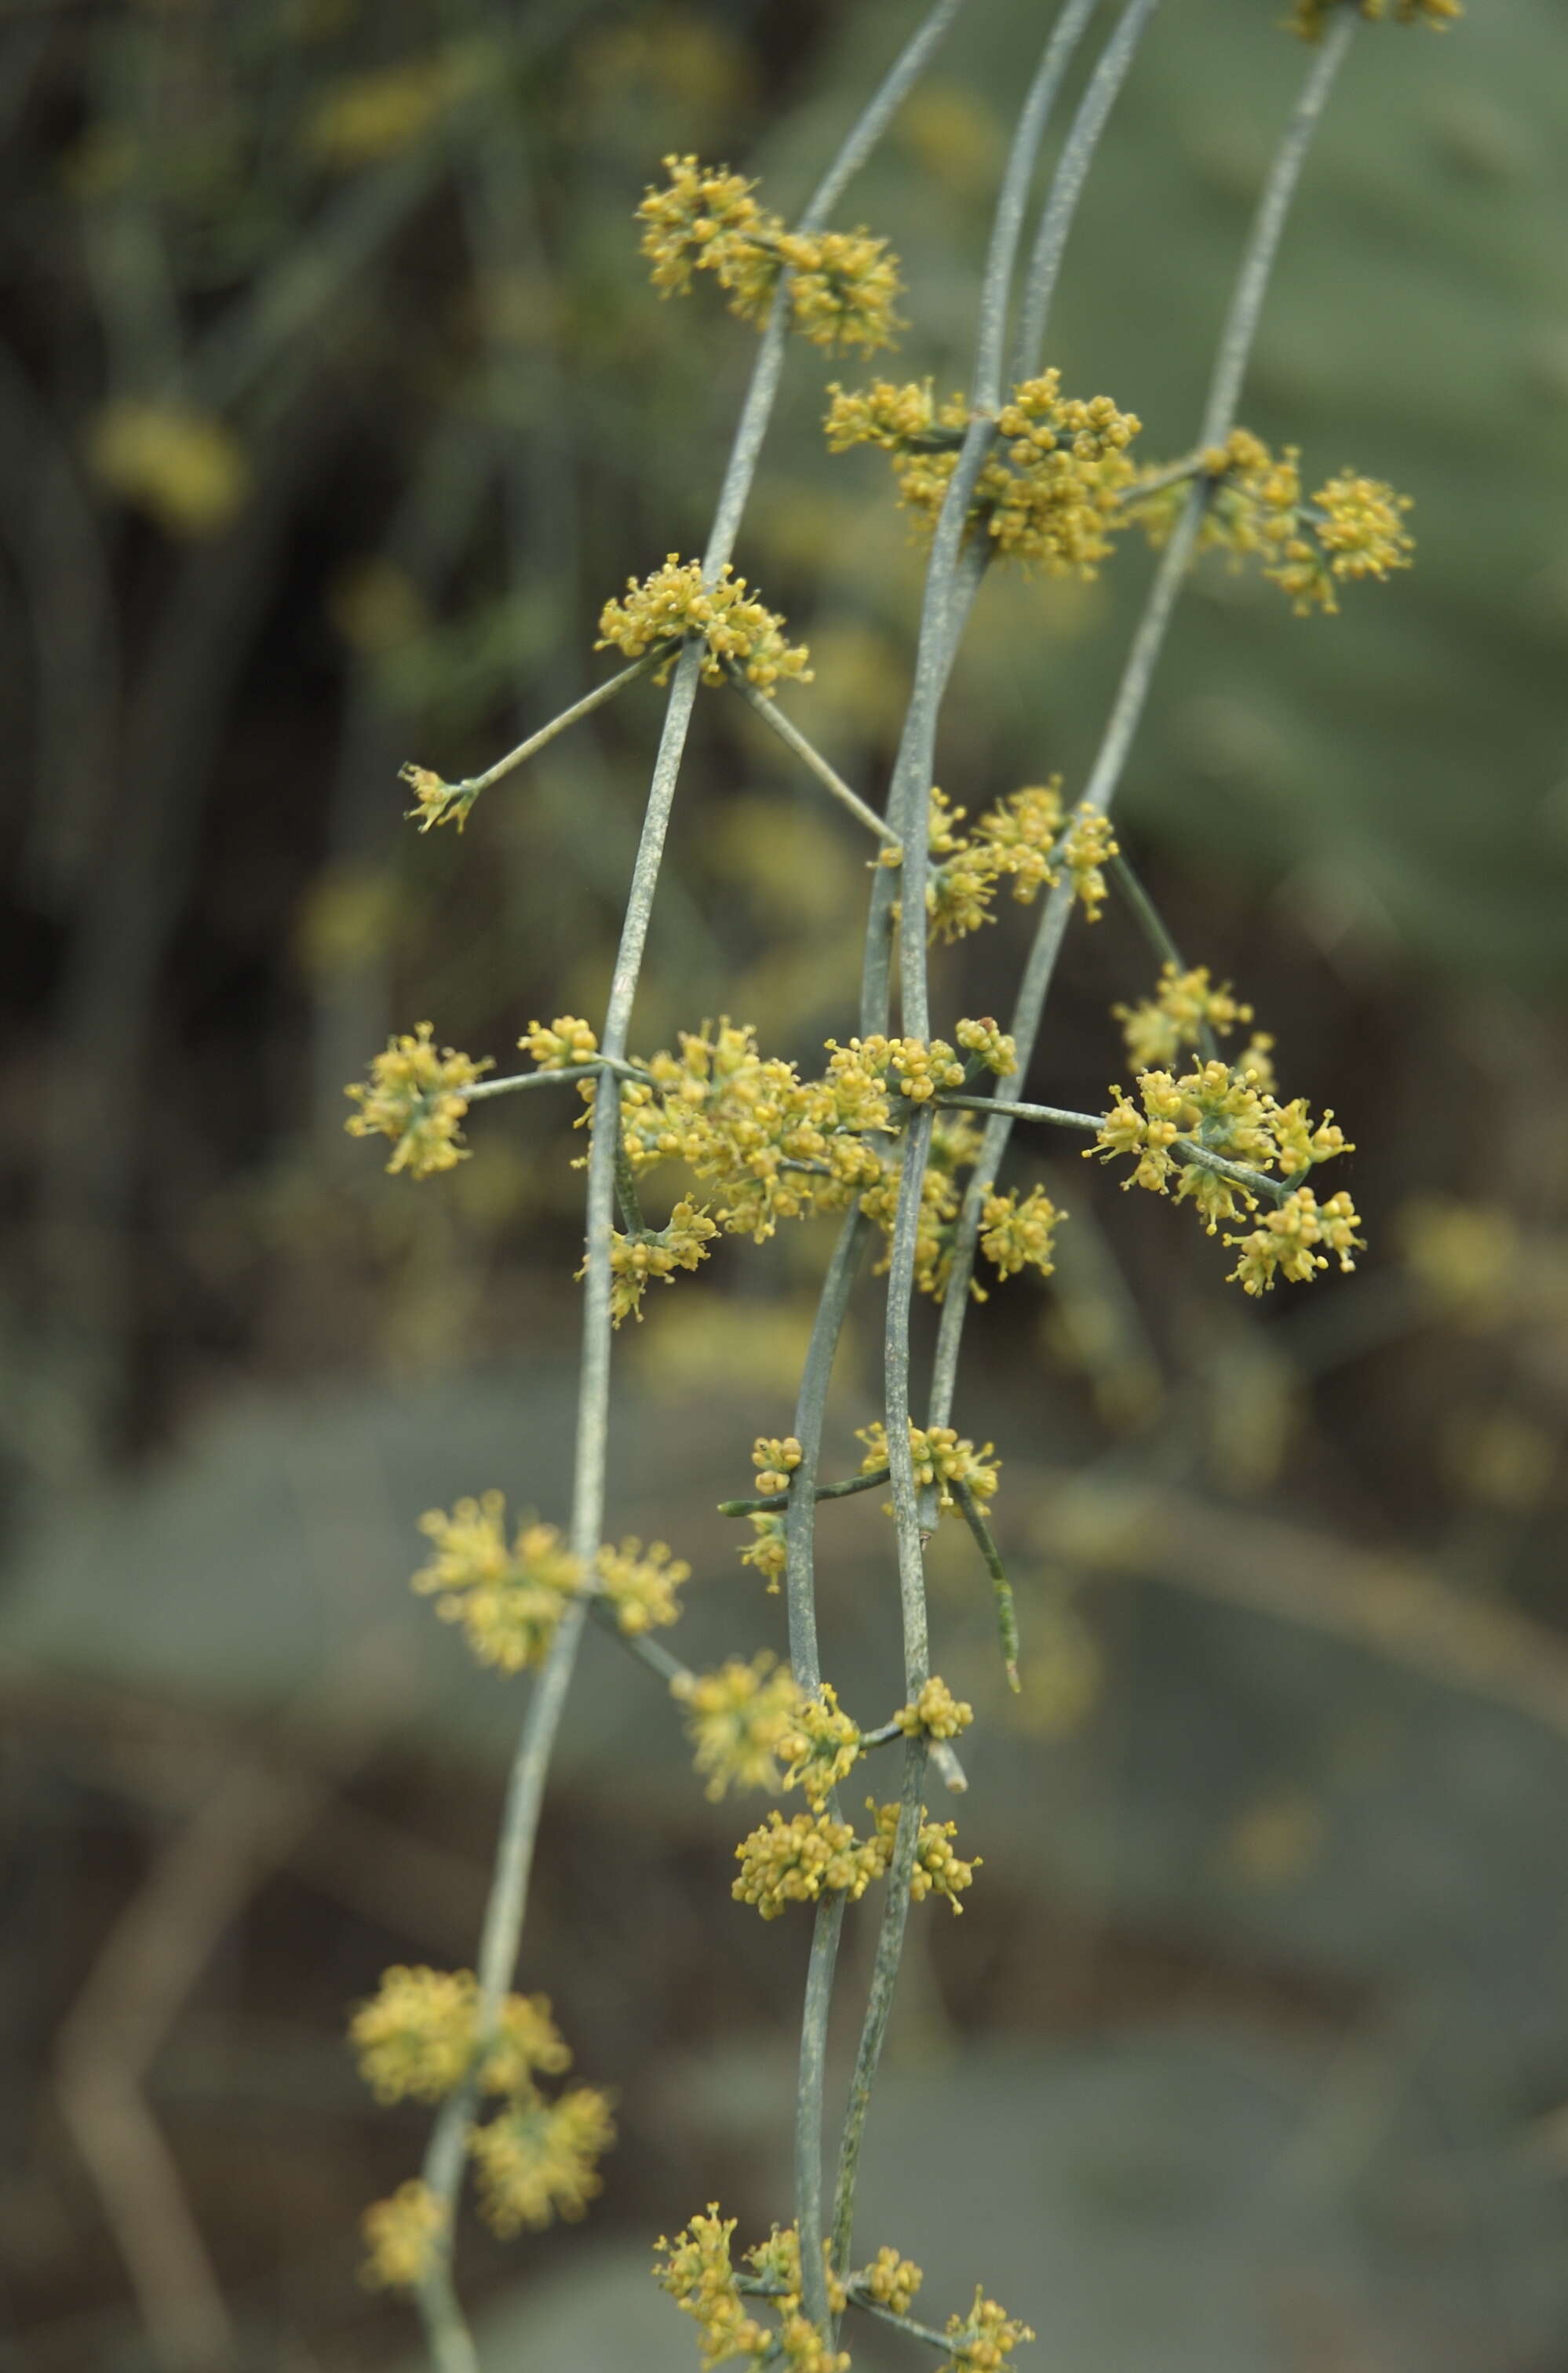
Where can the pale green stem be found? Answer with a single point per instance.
(811, 758)
(1257, 1182)
(1067, 185)
(472, 784)
(1230, 367)
(567, 1073)
(1006, 1611)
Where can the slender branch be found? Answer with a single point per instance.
(878, 2001)
(810, 757)
(1054, 1114)
(1127, 709)
(1006, 1608)
(468, 790)
(567, 1072)
(796, 1496)
(1147, 916)
(1067, 184)
(947, 2342)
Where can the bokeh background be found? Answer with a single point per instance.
(334, 402)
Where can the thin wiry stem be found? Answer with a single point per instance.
(1230, 365)
(468, 790)
(1006, 1611)
(790, 1499)
(566, 1073)
(810, 757)
(1067, 184)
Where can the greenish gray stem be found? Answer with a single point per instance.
(1230, 365)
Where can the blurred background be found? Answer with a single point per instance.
(334, 402)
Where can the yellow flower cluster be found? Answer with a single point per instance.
(941, 1457)
(418, 2040)
(1352, 527)
(1285, 1245)
(892, 2281)
(821, 1747)
(641, 1589)
(656, 1252)
(1158, 1027)
(982, 2340)
(776, 1459)
(401, 2236)
(936, 1711)
(766, 1550)
(698, 2273)
(435, 800)
(793, 1862)
(738, 1719)
(538, 2160)
(1090, 845)
(563, 1043)
(1049, 495)
(938, 1870)
(508, 1599)
(843, 285)
(415, 1097)
(1309, 16)
(1021, 839)
(1017, 1235)
(1227, 1112)
(735, 629)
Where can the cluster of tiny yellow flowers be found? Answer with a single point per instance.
(941, 1458)
(538, 2160)
(1017, 1235)
(1049, 493)
(938, 1870)
(936, 1711)
(1183, 1006)
(1309, 16)
(1352, 527)
(1021, 839)
(738, 1719)
(1090, 845)
(401, 2236)
(419, 2039)
(435, 800)
(698, 2273)
(892, 2281)
(774, 1146)
(843, 285)
(797, 1861)
(1286, 1245)
(776, 1459)
(792, 1861)
(766, 1550)
(642, 1588)
(557, 1046)
(820, 1747)
(655, 1252)
(953, 1149)
(416, 1097)
(982, 2340)
(509, 1598)
(1227, 1113)
(735, 629)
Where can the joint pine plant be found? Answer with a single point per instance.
(900, 1133)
